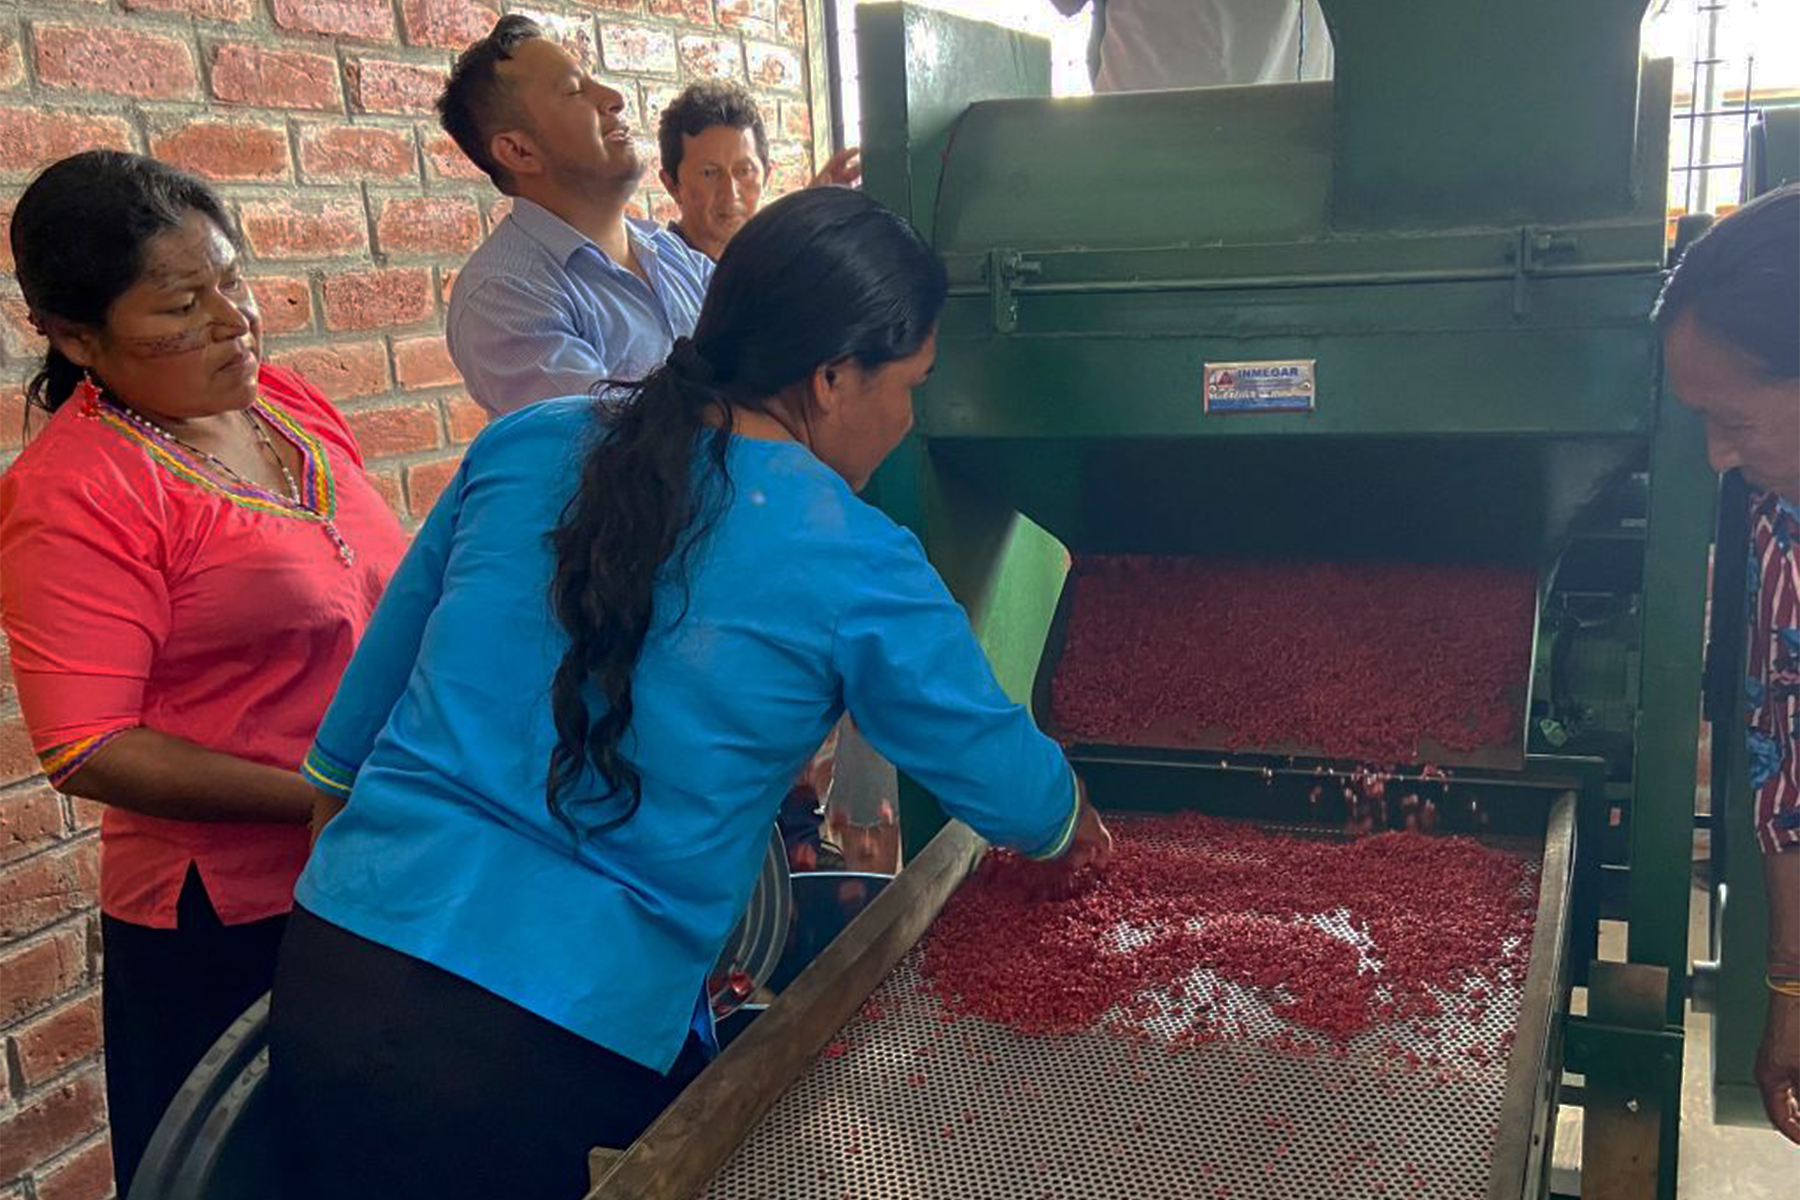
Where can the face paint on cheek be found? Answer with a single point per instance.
(168, 345)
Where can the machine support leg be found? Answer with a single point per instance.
(1628, 1056)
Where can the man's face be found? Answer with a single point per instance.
(1752, 421)
(576, 124)
(719, 184)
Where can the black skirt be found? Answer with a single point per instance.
(166, 995)
(395, 1079)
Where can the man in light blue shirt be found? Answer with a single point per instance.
(567, 291)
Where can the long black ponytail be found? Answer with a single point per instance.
(818, 277)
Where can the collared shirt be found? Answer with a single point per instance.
(1772, 677)
(1152, 44)
(803, 602)
(141, 589)
(674, 227)
(540, 310)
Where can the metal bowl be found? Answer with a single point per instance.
(755, 946)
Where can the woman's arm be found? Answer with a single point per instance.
(160, 775)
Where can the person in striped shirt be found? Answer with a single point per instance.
(1730, 323)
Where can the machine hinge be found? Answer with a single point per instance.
(1533, 248)
(1005, 269)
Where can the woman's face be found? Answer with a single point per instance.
(862, 414)
(185, 340)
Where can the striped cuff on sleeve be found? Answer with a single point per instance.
(327, 773)
(1060, 844)
(60, 762)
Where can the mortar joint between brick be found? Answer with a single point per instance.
(15, 1069)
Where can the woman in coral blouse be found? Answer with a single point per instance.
(189, 550)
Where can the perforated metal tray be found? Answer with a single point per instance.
(905, 1105)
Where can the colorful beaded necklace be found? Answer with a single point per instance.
(292, 504)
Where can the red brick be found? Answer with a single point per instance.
(754, 17)
(638, 49)
(29, 821)
(119, 62)
(206, 10)
(617, 6)
(428, 225)
(447, 160)
(58, 1120)
(342, 153)
(13, 434)
(12, 59)
(424, 363)
(86, 1175)
(774, 66)
(87, 812)
(305, 229)
(790, 17)
(31, 138)
(377, 299)
(465, 418)
(341, 371)
(387, 484)
(796, 119)
(47, 887)
(53, 1043)
(379, 85)
(395, 429)
(425, 482)
(712, 57)
(20, 340)
(662, 206)
(17, 759)
(634, 208)
(498, 210)
(574, 33)
(790, 167)
(33, 975)
(628, 90)
(226, 150)
(286, 303)
(657, 98)
(12, 412)
(451, 24)
(700, 12)
(371, 20)
(245, 74)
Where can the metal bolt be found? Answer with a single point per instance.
(1631, 1104)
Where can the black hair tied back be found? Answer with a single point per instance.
(821, 276)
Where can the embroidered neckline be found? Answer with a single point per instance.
(318, 489)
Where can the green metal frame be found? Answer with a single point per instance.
(1739, 994)
(1101, 250)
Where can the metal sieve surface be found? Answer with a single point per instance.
(908, 1106)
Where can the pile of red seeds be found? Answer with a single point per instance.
(1343, 660)
(1435, 919)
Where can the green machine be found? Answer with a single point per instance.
(1460, 238)
(1398, 317)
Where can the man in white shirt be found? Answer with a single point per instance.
(1143, 45)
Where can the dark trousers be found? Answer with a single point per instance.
(166, 996)
(395, 1079)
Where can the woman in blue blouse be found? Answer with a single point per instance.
(616, 639)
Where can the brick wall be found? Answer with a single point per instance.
(314, 118)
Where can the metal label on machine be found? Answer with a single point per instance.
(1272, 385)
